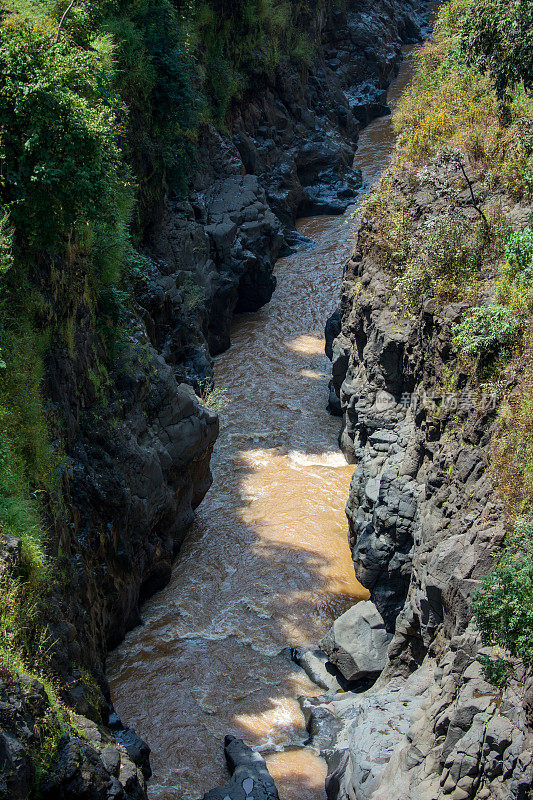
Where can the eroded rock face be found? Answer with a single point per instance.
(221, 243)
(290, 154)
(299, 135)
(425, 524)
(86, 762)
(137, 468)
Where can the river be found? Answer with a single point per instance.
(266, 564)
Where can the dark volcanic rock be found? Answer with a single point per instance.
(250, 776)
(299, 133)
(291, 154)
(332, 330)
(220, 245)
(136, 748)
(88, 762)
(134, 482)
(357, 643)
(425, 524)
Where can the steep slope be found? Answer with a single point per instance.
(424, 392)
(290, 154)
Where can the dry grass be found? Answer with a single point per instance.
(512, 449)
(450, 103)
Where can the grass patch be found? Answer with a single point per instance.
(214, 398)
(48, 732)
(512, 453)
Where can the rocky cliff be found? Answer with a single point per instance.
(425, 522)
(133, 438)
(290, 154)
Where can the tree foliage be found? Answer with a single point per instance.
(497, 37)
(503, 607)
(518, 265)
(60, 160)
(487, 330)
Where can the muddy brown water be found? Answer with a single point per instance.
(266, 564)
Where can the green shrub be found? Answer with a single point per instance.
(444, 263)
(518, 266)
(193, 294)
(28, 465)
(6, 244)
(497, 37)
(503, 606)
(157, 80)
(486, 331)
(61, 164)
(241, 43)
(213, 398)
(496, 670)
(450, 102)
(515, 286)
(512, 448)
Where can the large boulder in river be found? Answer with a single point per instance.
(358, 641)
(250, 779)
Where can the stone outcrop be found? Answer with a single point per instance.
(299, 134)
(220, 244)
(425, 524)
(88, 762)
(320, 669)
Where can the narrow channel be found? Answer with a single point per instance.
(266, 565)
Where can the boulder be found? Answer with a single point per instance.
(136, 748)
(16, 768)
(320, 670)
(357, 643)
(250, 778)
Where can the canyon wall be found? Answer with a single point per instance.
(425, 523)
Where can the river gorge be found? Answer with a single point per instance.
(266, 369)
(266, 566)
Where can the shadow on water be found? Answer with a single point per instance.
(206, 662)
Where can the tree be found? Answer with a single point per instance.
(497, 38)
